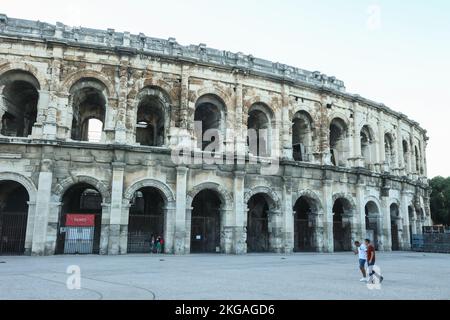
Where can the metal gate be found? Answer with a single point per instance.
(257, 235)
(302, 236)
(394, 237)
(141, 228)
(205, 235)
(79, 240)
(13, 228)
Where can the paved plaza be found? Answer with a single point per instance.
(260, 276)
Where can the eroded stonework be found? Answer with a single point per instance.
(349, 167)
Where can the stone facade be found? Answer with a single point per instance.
(334, 147)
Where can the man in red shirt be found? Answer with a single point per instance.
(371, 262)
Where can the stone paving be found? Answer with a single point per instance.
(256, 277)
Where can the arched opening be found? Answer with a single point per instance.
(302, 139)
(206, 222)
(417, 159)
(304, 225)
(13, 217)
(372, 214)
(150, 127)
(395, 216)
(210, 120)
(18, 108)
(405, 154)
(367, 146)
(342, 236)
(259, 131)
(88, 100)
(389, 150)
(80, 221)
(146, 220)
(258, 237)
(338, 136)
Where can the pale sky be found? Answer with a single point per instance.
(391, 51)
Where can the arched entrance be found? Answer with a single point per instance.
(13, 217)
(146, 219)
(80, 221)
(372, 214)
(258, 237)
(205, 222)
(395, 220)
(342, 233)
(304, 226)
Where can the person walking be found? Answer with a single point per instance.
(371, 263)
(361, 251)
(158, 244)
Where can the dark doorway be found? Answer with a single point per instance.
(146, 219)
(371, 217)
(341, 229)
(395, 215)
(13, 218)
(205, 222)
(303, 232)
(258, 224)
(80, 199)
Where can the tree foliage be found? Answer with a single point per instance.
(440, 200)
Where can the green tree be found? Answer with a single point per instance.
(440, 200)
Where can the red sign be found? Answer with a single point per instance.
(80, 220)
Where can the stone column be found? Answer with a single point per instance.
(401, 163)
(183, 134)
(357, 156)
(286, 124)
(275, 231)
(240, 215)
(123, 230)
(181, 246)
(383, 164)
(360, 211)
(404, 213)
(169, 226)
(104, 231)
(327, 196)
(42, 109)
(227, 230)
(120, 129)
(398, 221)
(42, 205)
(116, 219)
(30, 227)
(385, 224)
(316, 220)
(241, 141)
(287, 224)
(52, 226)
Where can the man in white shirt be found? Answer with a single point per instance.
(361, 251)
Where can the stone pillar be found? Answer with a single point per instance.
(181, 243)
(286, 125)
(30, 227)
(42, 109)
(404, 213)
(360, 215)
(120, 129)
(287, 223)
(116, 219)
(42, 206)
(327, 196)
(52, 226)
(239, 215)
(275, 231)
(382, 161)
(348, 221)
(183, 134)
(398, 221)
(227, 230)
(401, 163)
(385, 225)
(123, 230)
(357, 156)
(316, 220)
(104, 231)
(241, 141)
(169, 226)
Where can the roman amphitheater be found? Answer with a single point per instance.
(90, 120)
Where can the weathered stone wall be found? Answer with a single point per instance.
(48, 161)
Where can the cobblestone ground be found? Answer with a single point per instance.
(266, 276)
